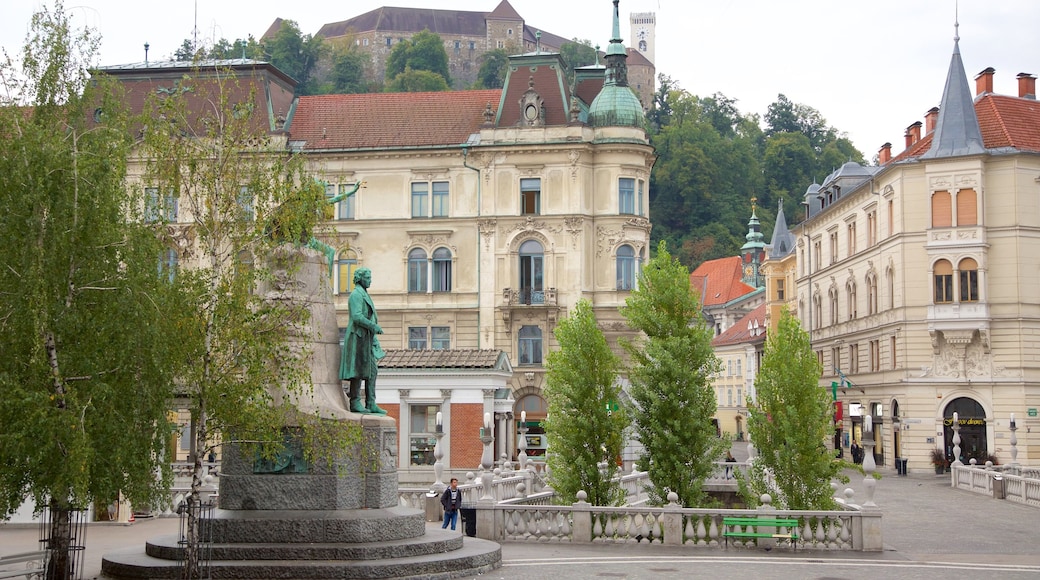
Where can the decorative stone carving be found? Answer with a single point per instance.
(487, 229)
(532, 107)
(573, 225)
(574, 156)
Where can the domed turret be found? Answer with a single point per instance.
(616, 105)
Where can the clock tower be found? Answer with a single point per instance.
(753, 253)
(642, 38)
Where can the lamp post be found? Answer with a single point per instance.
(868, 460)
(956, 440)
(487, 459)
(522, 444)
(1014, 442)
(438, 455)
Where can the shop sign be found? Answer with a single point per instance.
(965, 421)
(1031, 412)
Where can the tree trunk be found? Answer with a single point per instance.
(59, 565)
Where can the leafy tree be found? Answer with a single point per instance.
(788, 164)
(783, 116)
(417, 81)
(577, 53)
(221, 49)
(493, 65)
(88, 326)
(671, 382)
(231, 180)
(296, 55)
(583, 428)
(423, 52)
(788, 422)
(348, 70)
(661, 111)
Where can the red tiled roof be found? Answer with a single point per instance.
(718, 281)
(1005, 122)
(378, 120)
(739, 333)
(1009, 122)
(549, 85)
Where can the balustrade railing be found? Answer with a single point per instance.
(1018, 484)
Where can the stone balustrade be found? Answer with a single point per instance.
(1018, 484)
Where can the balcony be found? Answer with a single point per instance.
(525, 298)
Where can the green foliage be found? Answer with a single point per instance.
(493, 66)
(88, 327)
(789, 422)
(221, 49)
(671, 382)
(582, 428)
(417, 81)
(242, 196)
(577, 53)
(707, 169)
(712, 159)
(348, 70)
(296, 55)
(423, 52)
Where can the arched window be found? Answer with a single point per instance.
(626, 268)
(532, 273)
(344, 272)
(969, 280)
(850, 291)
(817, 311)
(417, 270)
(872, 296)
(442, 270)
(530, 345)
(943, 275)
(942, 210)
(834, 306)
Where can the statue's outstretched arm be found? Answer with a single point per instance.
(342, 196)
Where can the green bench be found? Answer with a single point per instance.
(790, 523)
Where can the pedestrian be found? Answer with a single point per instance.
(729, 468)
(452, 501)
(857, 452)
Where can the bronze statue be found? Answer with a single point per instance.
(361, 350)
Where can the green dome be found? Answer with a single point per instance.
(616, 106)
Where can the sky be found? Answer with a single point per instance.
(870, 67)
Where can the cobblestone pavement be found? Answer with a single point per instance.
(929, 529)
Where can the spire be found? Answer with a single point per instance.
(617, 70)
(783, 241)
(616, 105)
(753, 252)
(957, 129)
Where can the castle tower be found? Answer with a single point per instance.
(643, 31)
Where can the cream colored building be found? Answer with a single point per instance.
(917, 280)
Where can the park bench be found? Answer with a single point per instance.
(743, 528)
(32, 565)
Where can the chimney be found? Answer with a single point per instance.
(984, 81)
(930, 118)
(885, 154)
(1026, 86)
(913, 134)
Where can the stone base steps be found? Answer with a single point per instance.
(474, 556)
(316, 526)
(439, 542)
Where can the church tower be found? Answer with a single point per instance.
(752, 254)
(642, 33)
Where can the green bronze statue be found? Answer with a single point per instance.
(361, 350)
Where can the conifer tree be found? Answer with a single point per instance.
(671, 382)
(586, 423)
(789, 422)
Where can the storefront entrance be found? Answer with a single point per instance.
(972, 418)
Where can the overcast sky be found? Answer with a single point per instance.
(871, 67)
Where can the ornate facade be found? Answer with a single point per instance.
(916, 280)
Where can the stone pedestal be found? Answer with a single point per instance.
(338, 519)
